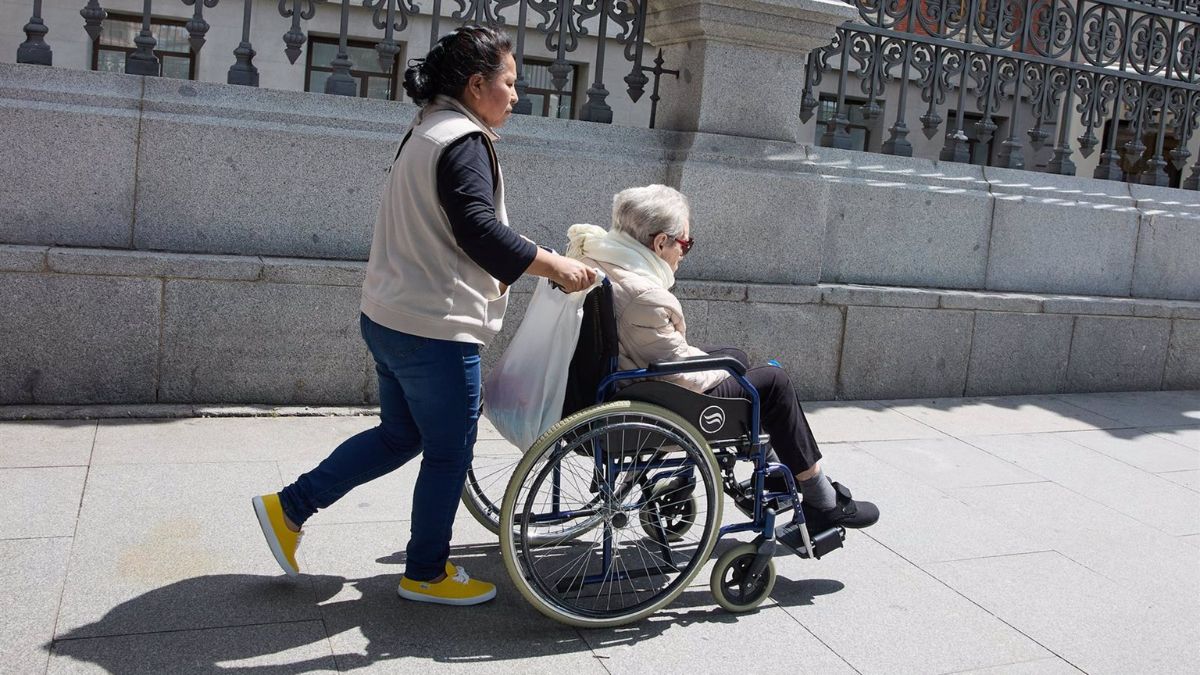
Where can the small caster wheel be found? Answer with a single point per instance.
(729, 584)
(676, 507)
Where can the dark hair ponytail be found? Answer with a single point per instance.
(470, 50)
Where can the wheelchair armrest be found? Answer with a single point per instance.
(697, 363)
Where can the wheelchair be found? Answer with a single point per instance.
(614, 510)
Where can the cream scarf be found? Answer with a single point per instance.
(617, 248)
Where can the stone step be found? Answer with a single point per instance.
(88, 326)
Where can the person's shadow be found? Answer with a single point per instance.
(238, 622)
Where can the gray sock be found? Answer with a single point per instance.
(818, 492)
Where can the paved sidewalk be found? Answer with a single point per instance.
(1046, 534)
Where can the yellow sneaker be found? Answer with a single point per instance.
(283, 542)
(456, 589)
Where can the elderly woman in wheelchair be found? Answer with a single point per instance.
(615, 509)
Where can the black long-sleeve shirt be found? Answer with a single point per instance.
(465, 186)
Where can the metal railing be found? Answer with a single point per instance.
(1118, 67)
(563, 23)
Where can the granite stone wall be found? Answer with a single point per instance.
(166, 241)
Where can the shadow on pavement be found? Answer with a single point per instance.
(210, 623)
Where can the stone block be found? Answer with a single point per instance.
(1060, 245)
(803, 338)
(1167, 250)
(754, 225)
(1055, 188)
(1183, 356)
(895, 233)
(1093, 306)
(879, 296)
(550, 188)
(69, 142)
(261, 343)
(1186, 311)
(904, 353)
(880, 169)
(1117, 354)
(788, 295)
(1156, 309)
(320, 272)
(154, 264)
(1015, 353)
(689, 289)
(282, 175)
(696, 314)
(78, 339)
(999, 302)
(23, 258)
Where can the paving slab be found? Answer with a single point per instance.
(1186, 436)
(294, 647)
(1158, 503)
(233, 439)
(1002, 415)
(1188, 479)
(836, 422)
(46, 443)
(1142, 409)
(369, 625)
(889, 616)
(694, 635)
(40, 502)
(1109, 543)
(31, 581)
(917, 520)
(1051, 666)
(175, 547)
(947, 463)
(1136, 447)
(1055, 601)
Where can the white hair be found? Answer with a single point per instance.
(643, 212)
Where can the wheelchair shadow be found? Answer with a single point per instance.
(250, 623)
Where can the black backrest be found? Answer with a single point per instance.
(596, 353)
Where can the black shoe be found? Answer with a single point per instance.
(847, 513)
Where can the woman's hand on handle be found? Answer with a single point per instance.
(569, 273)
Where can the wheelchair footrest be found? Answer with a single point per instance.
(822, 543)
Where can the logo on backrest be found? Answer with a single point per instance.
(712, 419)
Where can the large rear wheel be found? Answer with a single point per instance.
(584, 534)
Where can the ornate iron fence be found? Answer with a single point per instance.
(1117, 67)
(561, 23)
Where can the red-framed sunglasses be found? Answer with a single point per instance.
(684, 244)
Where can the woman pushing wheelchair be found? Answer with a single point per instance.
(650, 236)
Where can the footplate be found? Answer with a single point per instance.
(793, 535)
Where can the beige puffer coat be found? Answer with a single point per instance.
(650, 326)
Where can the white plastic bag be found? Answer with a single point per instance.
(523, 395)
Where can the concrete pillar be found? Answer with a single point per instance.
(741, 62)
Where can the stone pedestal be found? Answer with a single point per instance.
(741, 62)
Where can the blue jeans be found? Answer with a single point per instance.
(429, 404)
